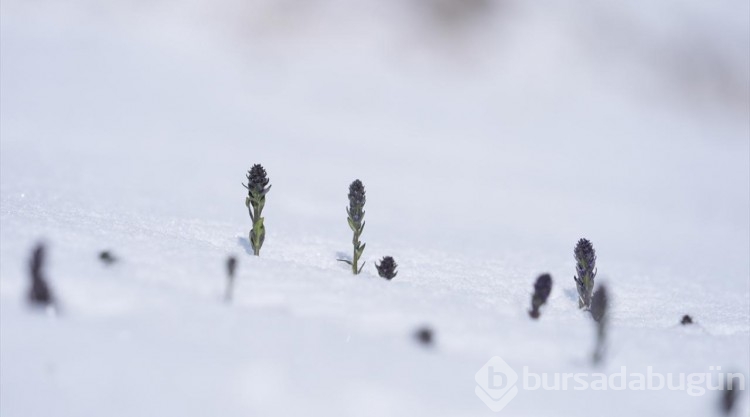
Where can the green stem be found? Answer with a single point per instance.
(256, 243)
(257, 233)
(355, 258)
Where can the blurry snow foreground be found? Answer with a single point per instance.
(490, 136)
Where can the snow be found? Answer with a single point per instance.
(488, 145)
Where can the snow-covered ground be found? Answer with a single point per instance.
(490, 137)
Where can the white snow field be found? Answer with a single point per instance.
(490, 137)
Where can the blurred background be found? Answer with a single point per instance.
(490, 136)
(496, 124)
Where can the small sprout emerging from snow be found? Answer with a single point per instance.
(255, 201)
(599, 304)
(729, 395)
(585, 271)
(355, 217)
(425, 336)
(107, 258)
(387, 268)
(39, 293)
(599, 307)
(542, 288)
(231, 267)
(686, 320)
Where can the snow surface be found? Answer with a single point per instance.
(489, 139)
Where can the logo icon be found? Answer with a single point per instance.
(496, 384)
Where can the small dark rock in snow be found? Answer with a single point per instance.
(686, 320)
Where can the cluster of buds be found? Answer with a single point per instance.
(355, 217)
(387, 268)
(542, 289)
(255, 201)
(585, 271)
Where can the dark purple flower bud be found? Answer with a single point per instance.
(231, 266)
(256, 179)
(599, 311)
(425, 336)
(107, 258)
(542, 289)
(39, 293)
(357, 201)
(585, 271)
(729, 395)
(599, 303)
(387, 268)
